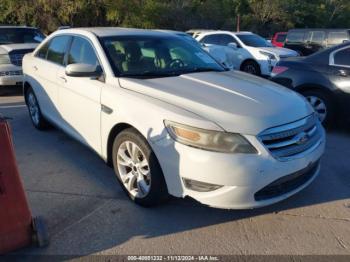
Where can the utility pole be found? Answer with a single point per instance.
(238, 22)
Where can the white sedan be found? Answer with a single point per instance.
(171, 120)
(245, 51)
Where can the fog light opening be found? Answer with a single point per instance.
(199, 186)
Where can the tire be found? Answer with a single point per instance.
(40, 233)
(251, 67)
(323, 106)
(34, 110)
(140, 176)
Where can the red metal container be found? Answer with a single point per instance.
(17, 229)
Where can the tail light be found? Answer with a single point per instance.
(278, 70)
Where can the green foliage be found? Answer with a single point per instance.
(261, 16)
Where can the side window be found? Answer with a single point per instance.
(226, 39)
(342, 57)
(295, 37)
(337, 37)
(211, 39)
(57, 49)
(82, 52)
(316, 37)
(42, 52)
(281, 38)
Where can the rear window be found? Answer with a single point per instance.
(211, 39)
(336, 38)
(342, 57)
(281, 38)
(295, 37)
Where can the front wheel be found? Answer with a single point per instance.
(251, 67)
(137, 169)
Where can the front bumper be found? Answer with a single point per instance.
(267, 66)
(241, 175)
(10, 75)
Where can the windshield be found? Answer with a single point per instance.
(20, 36)
(253, 40)
(154, 56)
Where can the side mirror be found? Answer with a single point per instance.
(232, 45)
(83, 70)
(346, 41)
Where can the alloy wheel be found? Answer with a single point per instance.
(134, 170)
(250, 69)
(33, 108)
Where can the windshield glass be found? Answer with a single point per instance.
(253, 40)
(20, 36)
(154, 56)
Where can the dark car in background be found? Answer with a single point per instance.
(309, 41)
(323, 78)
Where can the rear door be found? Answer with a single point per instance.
(340, 73)
(221, 51)
(79, 97)
(47, 61)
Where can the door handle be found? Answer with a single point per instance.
(64, 80)
(35, 68)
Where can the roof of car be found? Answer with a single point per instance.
(17, 26)
(116, 31)
(320, 29)
(322, 56)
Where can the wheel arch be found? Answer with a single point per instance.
(26, 86)
(248, 60)
(322, 89)
(116, 130)
(308, 87)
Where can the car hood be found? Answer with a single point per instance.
(236, 101)
(280, 51)
(5, 49)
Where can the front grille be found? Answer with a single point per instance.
(11, 73)
(16, 56)
(287, 183)
(16, 59)
(287, 141)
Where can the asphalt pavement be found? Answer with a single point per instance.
(88, 213)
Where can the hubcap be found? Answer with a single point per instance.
(33, 108)
(133, 169)
(250, 69)
(319, 106)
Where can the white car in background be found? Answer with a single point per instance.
(249, 52)
(221, 54)
(15, 42)
(171, 120)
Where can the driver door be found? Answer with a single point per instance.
(79, 97)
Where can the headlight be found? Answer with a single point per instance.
(210, 140)
(269, 55)
(5, 59)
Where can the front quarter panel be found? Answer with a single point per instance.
(147, 115)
